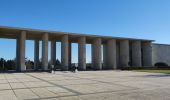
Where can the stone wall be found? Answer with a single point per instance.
(160, 53)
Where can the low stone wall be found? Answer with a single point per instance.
(160, 53)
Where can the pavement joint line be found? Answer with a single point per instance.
(11, 87)
(26, 88)
(133, 88)
(47, 90)
(73, 91)
(106, 82)
(58, 97)
(97, 79)
(31, 90)
(101, 82)
(85, 94)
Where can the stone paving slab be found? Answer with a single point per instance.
(17, 85)
(25, 94)
(86, 85)
(43, 93)
(7, 95)
(5, 86)
(60, 91)
(3, 81)
(72, 98)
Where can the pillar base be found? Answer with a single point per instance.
(64, 68)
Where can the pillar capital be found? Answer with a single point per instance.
(23, 32)
(111, 40)
(97, 40)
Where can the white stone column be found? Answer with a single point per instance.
(136, 54)
(147, 54)
(36, 54)
(64, 52)
(124, 53)
(21, 56)
(104, 66)
(53, 52)
(82, 53)
(96, 56)
(45, 51)
(111, 54)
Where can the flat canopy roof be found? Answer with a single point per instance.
(13, 32)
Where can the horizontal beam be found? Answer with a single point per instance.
(38, 32)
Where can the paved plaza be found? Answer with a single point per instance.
(87, 85)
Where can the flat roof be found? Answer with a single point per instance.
(160, 44)
(11, 32)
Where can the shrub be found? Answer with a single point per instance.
(131, 68)
(161, 65)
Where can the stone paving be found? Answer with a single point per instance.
(87, 85)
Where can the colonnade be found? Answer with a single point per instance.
(116, 52)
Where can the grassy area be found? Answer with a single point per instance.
(153, 71)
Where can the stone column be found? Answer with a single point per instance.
(21, 51)
(117, 55)
(53, 52)
(82, 53)
(36, 54)
(136, 54)
(17, 54)
(45, 51)
(96, 56)
(104, 66)
(147, 54)
(69, 55)
(64, 52)
(124, 53)
(111, 54)
(92, 55)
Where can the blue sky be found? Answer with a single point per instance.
(148, 19)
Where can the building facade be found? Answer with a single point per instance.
(117, 52)
(160, 54)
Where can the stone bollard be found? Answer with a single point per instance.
(52, 69)
(76, 68)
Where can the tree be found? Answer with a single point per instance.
(2, 63)
(58, 62)
(10, 65)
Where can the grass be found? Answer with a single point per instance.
(167, 71)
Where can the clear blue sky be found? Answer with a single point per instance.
(148, 19)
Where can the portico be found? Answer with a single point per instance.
(117, 52)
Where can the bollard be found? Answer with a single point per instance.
(76, 68)
(52, 69)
